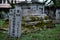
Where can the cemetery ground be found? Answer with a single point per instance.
(46, 34)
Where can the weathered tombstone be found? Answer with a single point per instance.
(40, 7)
(11, 22)
(33, 7)
(57, 14)
(15, 16)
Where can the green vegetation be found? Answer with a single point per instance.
(44, 34)
(58, 3)
(34, 24)
(47, 34)
(1, 23)
(3, 36)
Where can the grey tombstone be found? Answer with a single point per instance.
(57, 14)
(40, 7)
(15, 17)
(11, 22)
(33, 7)
(18, 16)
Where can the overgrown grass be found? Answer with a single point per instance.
(47, 34)
(1, 23)
(3, 36)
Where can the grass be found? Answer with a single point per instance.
(3, 36)
(47, 34)
(52, 34)
(1, 23)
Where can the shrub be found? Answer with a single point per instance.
(46, 18)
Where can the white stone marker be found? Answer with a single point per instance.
(15, 17)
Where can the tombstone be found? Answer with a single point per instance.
(40, 9)
(15, 17)
(33, 7)
(57, 14)
(36, 10)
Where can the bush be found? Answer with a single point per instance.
(46, 17)
(33, 18)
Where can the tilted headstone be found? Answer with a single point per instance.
(15, 17)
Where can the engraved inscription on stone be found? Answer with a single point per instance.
(15, 22)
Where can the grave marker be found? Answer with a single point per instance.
(15, 17)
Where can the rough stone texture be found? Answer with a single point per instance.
(57, 14)
(15, 22)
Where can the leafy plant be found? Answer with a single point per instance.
(33, 18)
(46, 17)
